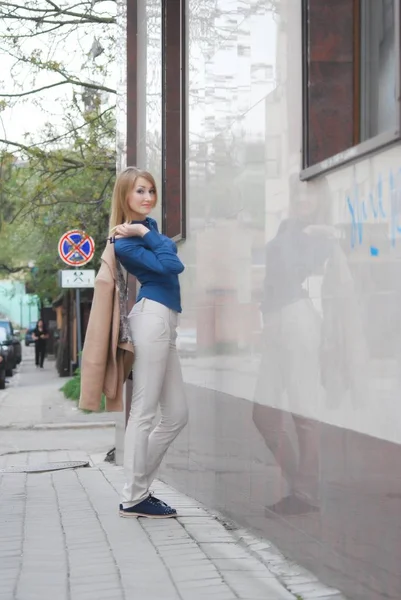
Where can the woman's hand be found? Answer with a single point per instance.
(130, 230)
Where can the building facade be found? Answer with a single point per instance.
(21, 308)
(273, 130)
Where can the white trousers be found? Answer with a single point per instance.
(157, 382)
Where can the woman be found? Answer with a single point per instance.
(40, 336)
(157, 379)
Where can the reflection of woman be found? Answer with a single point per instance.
(306, 358)
(344, 353)
(40, 336)
(289, 379)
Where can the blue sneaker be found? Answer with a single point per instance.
(151, 508)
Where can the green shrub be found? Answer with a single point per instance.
(72, 390)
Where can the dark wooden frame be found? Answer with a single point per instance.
(174, 119)
(305, 81)
(132, 82)
(132, 154)
(132, 105)
(357, 72)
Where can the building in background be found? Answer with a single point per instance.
(273, 129)
(21, 308)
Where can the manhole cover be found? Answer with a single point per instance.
(52, 466)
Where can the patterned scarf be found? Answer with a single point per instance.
(124, 335)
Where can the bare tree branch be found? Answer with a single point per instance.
(71, 81)
(31, 35)
(15, 144)
(73, 130)
(48, 14)
(41, 20)
(106, 185)
(100, 166)
(10, 270)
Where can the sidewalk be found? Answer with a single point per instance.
(34, 415)
(61, 538)
(33, 397)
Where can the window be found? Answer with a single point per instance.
(351, 79)
(140, 28)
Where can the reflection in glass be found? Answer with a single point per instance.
(378, 67)
(149, 99)
(314, 353)
(350, 74)
(153, 88)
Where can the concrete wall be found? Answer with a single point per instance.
(291, 300)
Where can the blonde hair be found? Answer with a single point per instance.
(125, 181)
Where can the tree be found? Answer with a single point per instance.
(54, 192)
(62, 52)
(58, 177)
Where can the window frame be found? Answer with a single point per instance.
(174, 70)
(359, 150)
(131, 82)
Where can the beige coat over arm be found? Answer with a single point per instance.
(106, 362)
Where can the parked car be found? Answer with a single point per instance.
(17, 346)
(2, 369)
(7, 351)
(14, 336)
(28, 336)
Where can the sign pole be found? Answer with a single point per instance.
(76, 248)
(78, 317)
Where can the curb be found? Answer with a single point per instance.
(56, 426)
(89, 425)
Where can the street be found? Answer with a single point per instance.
(61, 536)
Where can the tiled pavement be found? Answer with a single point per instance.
(61, 539)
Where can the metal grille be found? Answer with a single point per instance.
(42, 467)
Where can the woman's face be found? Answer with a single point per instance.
(40, 323)
(141, 200)
(305, 206)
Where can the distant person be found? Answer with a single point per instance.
(40, 337)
